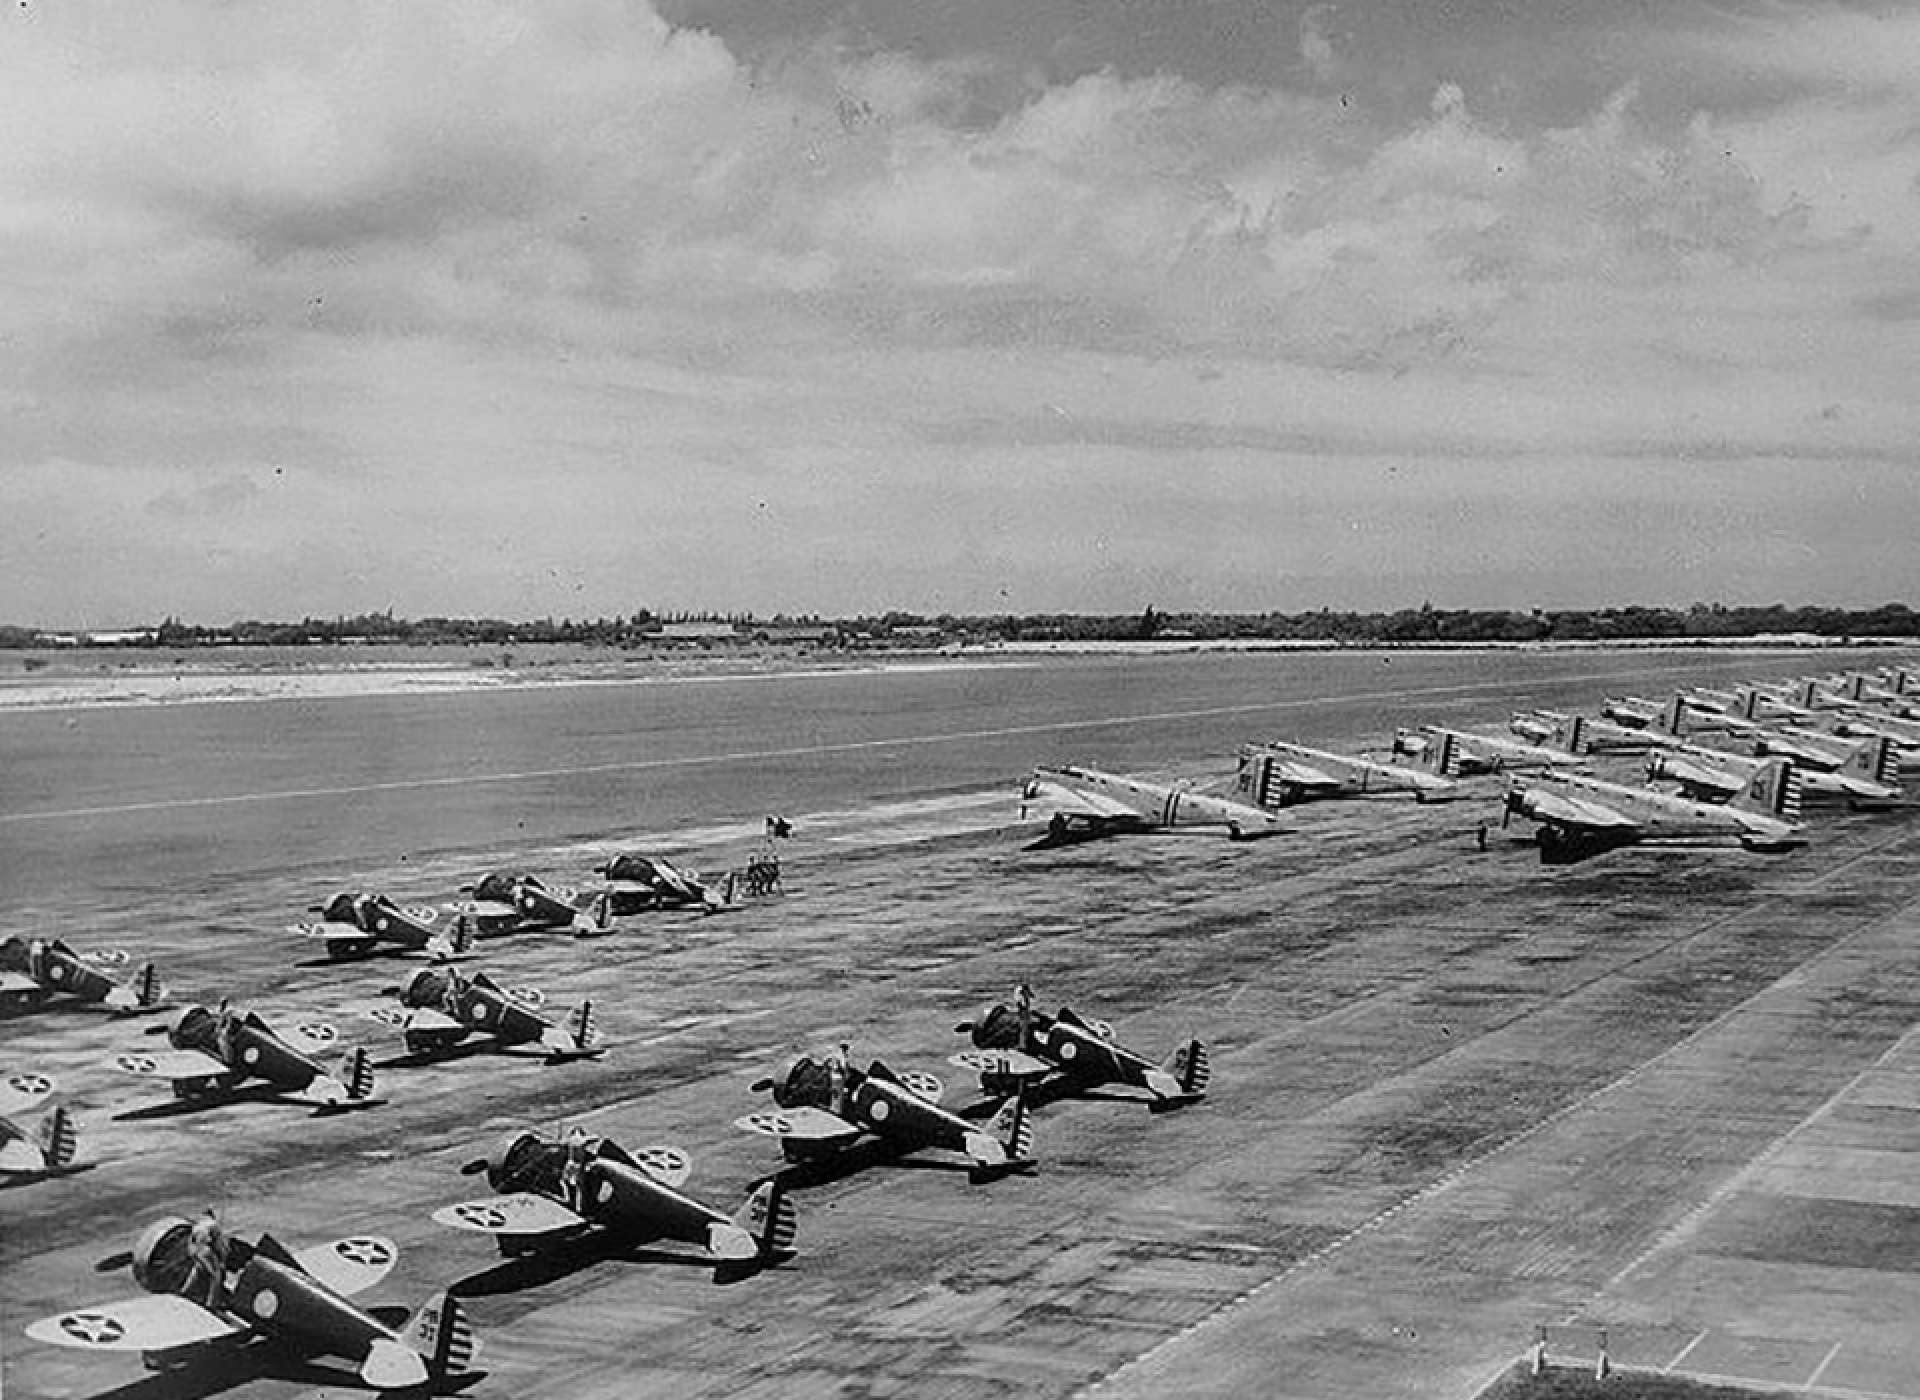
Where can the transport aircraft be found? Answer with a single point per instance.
(559, 1189)
(209, 1291)
(1904, 733)
(1461, 753)
(1637, 712)
(1085, 804)
(1581, 816)
(1273, 774)
(508, 902)
(35, 970)
(637, 882)
(46, 1151)
(1066, 1053)
(222, 1053)
(1870, 773)
(441, 1009)
(825, 1106)
(354, 924)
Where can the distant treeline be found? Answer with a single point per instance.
(645, 628)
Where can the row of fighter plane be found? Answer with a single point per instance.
(1821, 739)
(578, 1198)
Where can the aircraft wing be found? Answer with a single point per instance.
(1049, 795)
(152, 1322)
(23, 1090)
(1560, 810)
(427, 1019)
(667, 1165)
(308, 1037)
(1303, 775)
(810, 1124)
(1000, 1062)
(170, 1064)
(518, 1214)
(349, 1266)
(332, 933)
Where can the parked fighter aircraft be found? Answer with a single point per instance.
(443, 1008)
(46, 1151)
(827, 1106)
(1581, 816)
(638, 882)
(210, 1288)
(1020, 1047)
(1460, 753)
(1274, 774)
(354, 924)
(558, 1188)
(506, 902)
(34, 970)
(223, 1053)
(1085, 804)
(1871, 773)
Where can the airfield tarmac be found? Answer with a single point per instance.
(1455, 1095)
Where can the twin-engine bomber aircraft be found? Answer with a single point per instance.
(1275, 774)
(205, 1288)
(1085, 803)
(1582, 816)
(1870, 774)
(445, 1009)
(1071, 1054)
(34, 970)
(559, 1188)
(223, 1053)
(825, 1107)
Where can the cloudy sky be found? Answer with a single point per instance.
(955, 305)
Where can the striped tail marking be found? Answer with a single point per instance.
(359, 1074)
(582, 1026)
(1192, 1067)
(442, 1334)
(59, 1139)
(769, 1216)
(1013, 1125)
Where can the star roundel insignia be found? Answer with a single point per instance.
(364, 1250)
(879, 1110)
(30, 1083)
(486, 1217)
(660, 1159)
(56, 973)
(1068, 1050)
(95, 1329)
(380, 924)
(387, 1016)
(135, 1064)
(318, 1030)
(526, 996)
(776, 1123)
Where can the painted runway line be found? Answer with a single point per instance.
(905, 741)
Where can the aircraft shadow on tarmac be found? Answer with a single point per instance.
(549, 1263)
(14, 1183)
(486, 1045)
(177, 1108)
(216, 1368)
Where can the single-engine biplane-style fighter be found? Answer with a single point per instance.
(47, 1150)
(826, 1106)
(34, 970)
(441, 1009)
(1870, 774)
(1067, 1053)
(1274, 774)
(1083, 804)
(354, 924)
(560, 1188)
(1581, 816)
(636, 883)
(1460, 753)
(207, 1290)
(509, 902)
(219, 1052)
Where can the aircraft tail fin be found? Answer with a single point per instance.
(1747, 702)
(59, 1139)
(1442, 755)
(1013, 1126)
(1807, 695)
(443, 1337)
(455, 942)
(1856, 687)
(1191, 1066)
(147, 990)
(1570, 735)
(1874, 760)
(1673, 719)
(768, 1215)
(582, 1026)
(357, 1074)
(1774, 790)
